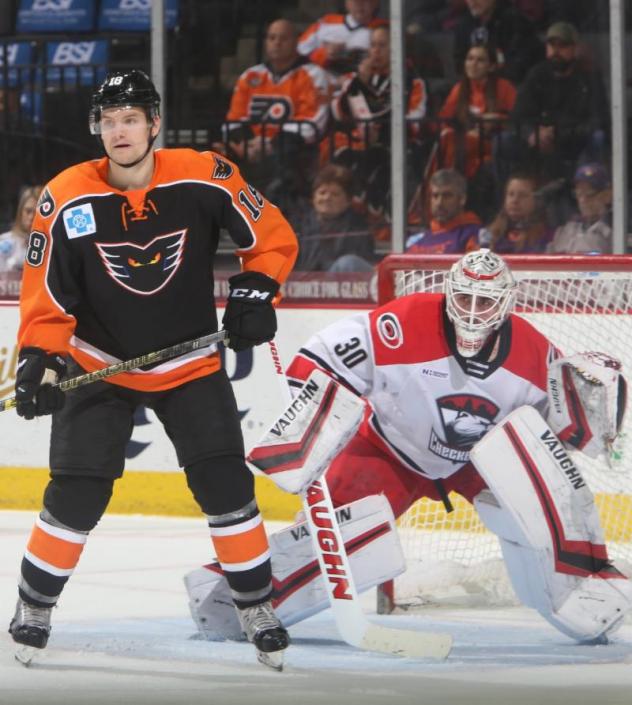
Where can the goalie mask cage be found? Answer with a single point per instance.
(580, 303)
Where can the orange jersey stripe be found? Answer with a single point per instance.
(55, 551)
(148, 382)
(241, 547)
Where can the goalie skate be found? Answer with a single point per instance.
(263, 629)
(30, 629)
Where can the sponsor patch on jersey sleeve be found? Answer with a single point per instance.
(46, 204)
(79, 221)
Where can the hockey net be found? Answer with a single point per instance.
(580, 303)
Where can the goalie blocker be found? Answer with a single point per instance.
(545, 517)
(371, 541)
(308, 435)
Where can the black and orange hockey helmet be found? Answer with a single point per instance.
(131, 88)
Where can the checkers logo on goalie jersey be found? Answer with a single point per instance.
(466, 419)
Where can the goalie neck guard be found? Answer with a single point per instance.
(480, 292)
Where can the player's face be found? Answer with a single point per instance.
(479, 307)
(379, 49)
(330, 200)
(125, 133)
(280, 42)
(477, 64)
(361, 10)
(445, 203)
(519, 199)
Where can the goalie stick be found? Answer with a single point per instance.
(351, 621)
(133, 364)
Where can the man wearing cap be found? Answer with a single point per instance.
(590, 230)
(561, 108)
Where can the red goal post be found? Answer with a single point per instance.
(580, 302)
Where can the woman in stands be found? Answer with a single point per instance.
(13, 242)
(475, 108)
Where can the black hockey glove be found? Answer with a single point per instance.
(37, 372)
(249, 317)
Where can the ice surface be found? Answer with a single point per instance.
(122, 634)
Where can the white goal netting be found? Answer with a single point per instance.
(580, 304)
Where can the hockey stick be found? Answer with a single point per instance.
(136, 362)
(329, 547)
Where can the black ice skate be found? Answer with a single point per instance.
(30, 628)
(263, 628)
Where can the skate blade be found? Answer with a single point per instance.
(26, 654)
(271, 659)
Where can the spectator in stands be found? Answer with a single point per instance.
(13, 242)
(287, 87)
(476, 107)
(590, 231)
(362, 111)
(452, 228)
(338, 42)
(333, 237)
(520, 226)
(497, 22)
(561, 108)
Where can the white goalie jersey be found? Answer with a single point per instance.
(428, 406)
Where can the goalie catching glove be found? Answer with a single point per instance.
(37, 372)
(249, 317)
(587, 395)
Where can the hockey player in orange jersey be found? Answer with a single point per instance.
(120, 263)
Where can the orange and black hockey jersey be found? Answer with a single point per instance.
(110, 275)
(299, 94)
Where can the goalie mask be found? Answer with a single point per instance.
(480, 292)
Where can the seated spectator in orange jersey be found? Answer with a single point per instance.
(332, 236)
(476, 107)
(520, 226)
(287, 87)
(362, 111)
(452, 228)
(338, 42)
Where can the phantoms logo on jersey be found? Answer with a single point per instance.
(223, 170)
(46, 203)
(144, 269)
(466, 418)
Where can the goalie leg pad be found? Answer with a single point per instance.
(375, 554)
(545, 517)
